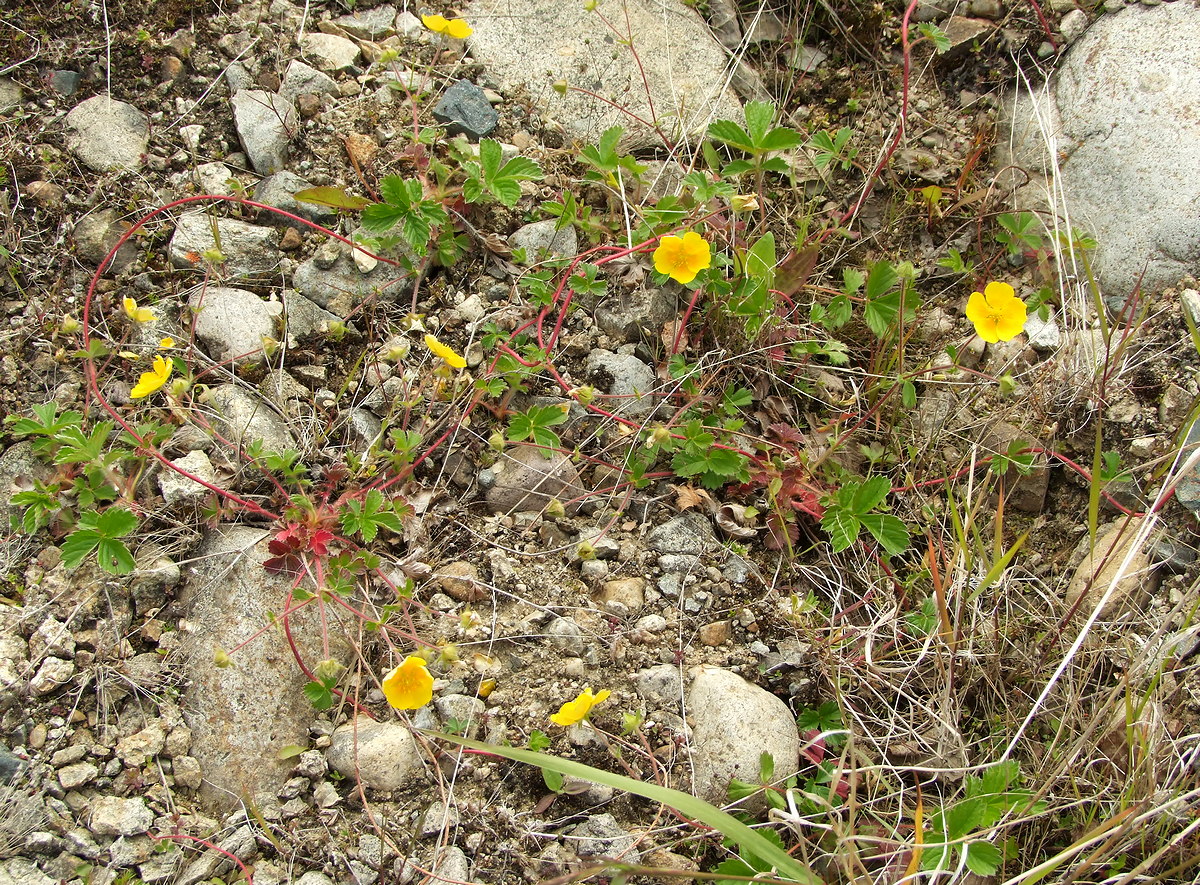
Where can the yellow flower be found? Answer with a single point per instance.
(135, 313)
(447, 353)
(409, 685)
(574, 712)
(164, 343)
(681, 258)
(455, 27)
(997, 312)
(154, 379)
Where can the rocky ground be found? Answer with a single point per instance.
(623, 492)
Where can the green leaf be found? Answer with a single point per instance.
(759, 115)
(333, 197)
(881, 280)
(869, 495)
(99, 532)
(882, 313)
(318, 695)
(752, 843)
(379, 218)
(842, 528)
(983, 858)
(888, 530)
(394, 191)
(941, 42)
(760, 259)
(368, 516)
(730, 133)
(781, 139)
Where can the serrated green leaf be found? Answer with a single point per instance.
(869, 494)
(730, 133)
(490, 155)
(393, 191)
(775, 164)
(759, 115)
(842, 528)
(881, 279)
(760, 259)
(472, 190)
(520, 169)
(781, 138)
(379, 218)
(881, 314)
(318, 695)
(983, 858)
(507, 191)
(888, 530)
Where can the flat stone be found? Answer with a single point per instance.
(303, 319)
(341, 288)
(242, 715)
(22, 871)
(72, 777)
(249, 249)
(541, 240)
(622, 596)
(537, 42)
(95, 235)
(1133, 72)
(963, 32)
(381, 755)
(528, 478)
(107, 135)
(113, 816)
(265, 124)
(735, 723)
(688, 533)
(301, 79)
(10, 95)
(460, 580)
(277, 190)
(638, 314)
(179, 491)
(244, 418)
(626, 378)
(465, 110)
(329, 52)
(231, 323)
(369, 24)
(52, 675)
(601, 836)
(1099, 563)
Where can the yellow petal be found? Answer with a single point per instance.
(447, 353)
(409, 685)
(435, 23)
(459, 29)
(166, 342)
(152, 381)
(135, 313)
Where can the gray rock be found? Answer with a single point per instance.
(277, 191)
(1187, 491)
(187, 772)
(684, 64)
(381, 755)
(1073, 25)
(107, 135)
(18, 467)
(963, 33)
(10, 766)
(231, 323)
(113, 816)
(265, 124)
(341, 287)
(1042, 335)
(463, 708)
(244, 418)
(369, 24)
(329, 52)
(1097, 566)
(1026, 493)
(540, 240)
(10, 95)
(213, 178)
(566, 636)
(240, 844)
(52, 637)
(723, 19)
(601, 836)
(79, 774)
(302, 319)
(466, 110)
(634, 315)
(141, 746)
(1133, 72)
(22, 871)
(242, 715)
(452, 865)
(179, 491)
(625, 376)
(688, 533)
(621, 596)
(735, 723)
(96, 233)
(661, 683)
(249, 249)
(528, 478)
(301, 79)
(52, 675)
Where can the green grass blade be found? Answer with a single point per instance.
(697, 809)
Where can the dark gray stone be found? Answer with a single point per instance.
(466, 111)
(65, 82)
